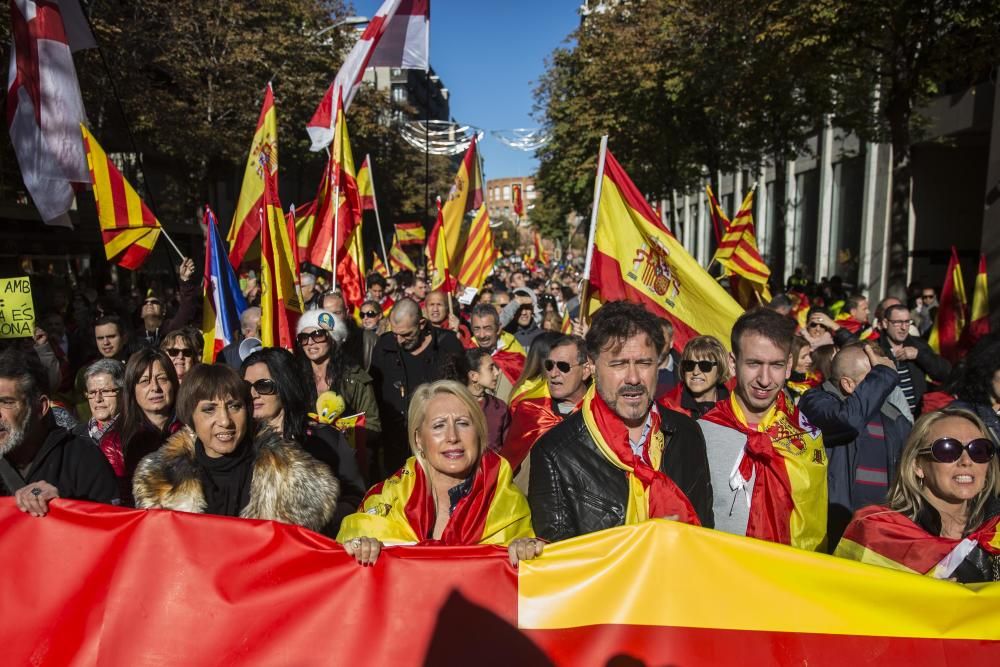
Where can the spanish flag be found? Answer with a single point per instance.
(378, 266)
(509, 355)
(652, 592)
(410, 233)
(259, 178)
(480, 254)
(634, 257)
(366, 187)
(398, 258)
(466, 195)
(280, 303)
(531, 417)
(128, 228)
(401, 510)
(979, 319)
(738, 254)
(951, 314)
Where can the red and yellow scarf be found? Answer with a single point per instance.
(400, 510)
(788, 504)
(531, 417)
(509, 355)
(651, 494)
(880, 536)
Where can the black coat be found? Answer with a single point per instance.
(927, 363)
(329, 446)
(575, 490)
(75, 466)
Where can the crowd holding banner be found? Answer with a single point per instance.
(594, 452)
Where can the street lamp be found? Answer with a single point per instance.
(347, 20)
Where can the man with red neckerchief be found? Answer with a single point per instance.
(619, 459)
(767, 463)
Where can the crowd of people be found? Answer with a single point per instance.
(518, 419)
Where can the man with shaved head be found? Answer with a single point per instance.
(865, 419)
(409, 355)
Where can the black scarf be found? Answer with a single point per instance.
(226, 480)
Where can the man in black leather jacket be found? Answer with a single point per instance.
(574, 488)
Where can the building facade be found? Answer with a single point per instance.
(500, 194)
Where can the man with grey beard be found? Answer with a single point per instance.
(619, 459)
(40, 461)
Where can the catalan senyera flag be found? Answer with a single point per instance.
(585, 601)
(531, 417)
(366, 187)
(128, 228)
(466, 195)
(738, 255)
(378, 266)
(398, 259)
(259, 178)
(280, 302)
(224, 302)
(410, 233)
(479, 252)
(951, 314)
(979, 318)
(636, 258)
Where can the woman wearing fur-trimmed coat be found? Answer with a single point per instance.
(220, 464)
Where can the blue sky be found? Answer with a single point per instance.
(490, 53)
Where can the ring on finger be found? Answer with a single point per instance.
(36, 492)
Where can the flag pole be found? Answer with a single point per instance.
(598, 182)
(336, 229)
(378, 221)
(172, 244)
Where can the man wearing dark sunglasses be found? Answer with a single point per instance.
(153, 310)
(865, 421)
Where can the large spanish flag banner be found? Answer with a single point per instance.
(634, 257)
(97, 585)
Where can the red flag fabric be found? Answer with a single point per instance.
(951, 314)
(979, 318)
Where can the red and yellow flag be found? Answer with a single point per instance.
(398, 258)
(515, 195)
(531, 417)
(280, 303)
(509, 355)
(378, 266)
(738, 254)
(128, 228)
(951, 314)
(410, 233)
(585, 601)
(401, 510)
(480, 254)
(366, 187)
(979, 319)
(466, 195)
(636, 258)
(259, 178)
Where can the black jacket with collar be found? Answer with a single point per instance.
(74, 465)
(927, 364)
(575, 490)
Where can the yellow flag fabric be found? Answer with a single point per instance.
(280, 303)
(466, 195)
(260, 174)
(479, 252)
(637, 259)
(128, 228)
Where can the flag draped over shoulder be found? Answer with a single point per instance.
(531, 417)
(44, 104)
(397, 36)
(951, 314)
(128, 228)
(738, 254)
(466, 195)
(636, 258)
(979, 318)
(480, 254)
(880, 536)
(259, 179)
(224, 301)
(401, 510)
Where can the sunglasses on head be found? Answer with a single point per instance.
(264, 387)
(369, 313)
(178, 351)
(704, 366)
(317, 336)
(949, 450)
(563, 366)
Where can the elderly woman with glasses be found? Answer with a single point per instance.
(224, 463)
(104, 380)
(320, 353)
(943, 512)
(183, 346)
(453, 491)
(704, 370)
(280, 400)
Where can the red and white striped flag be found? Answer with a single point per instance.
(397, 36)
(44, 106)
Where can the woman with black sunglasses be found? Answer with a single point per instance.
(183, 346)
(704, 370)
(943, 512)
(280, 400)
(320, 354)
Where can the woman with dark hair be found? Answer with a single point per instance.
(148, 397)
(320, 354)
(223, 463)
(480, 375)
(280, 400)
(804, 375)
(943, 514)
(978, 389)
